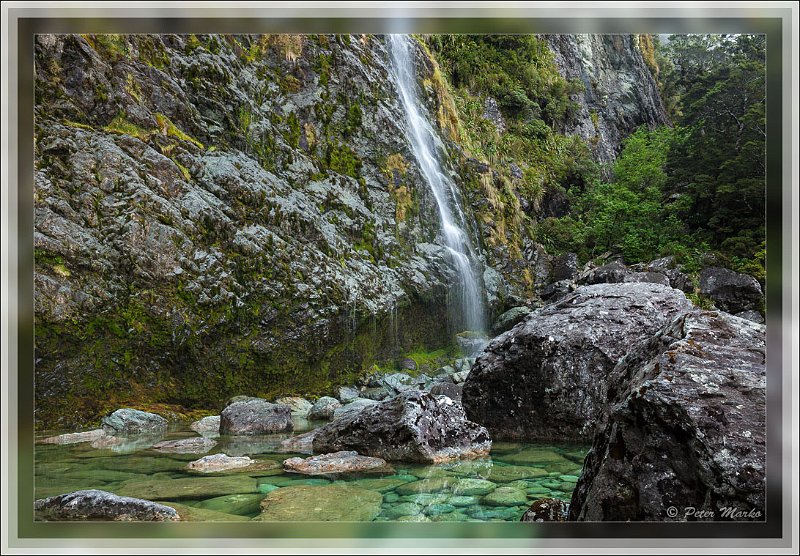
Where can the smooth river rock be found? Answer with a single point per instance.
(324, 408)
(74, 437)
(546, 379)
(99, 505)
(207, 426)
(255, 416)
(337, 462)
(686, 427)
(219, 462)
(413, 426)
(129, 422)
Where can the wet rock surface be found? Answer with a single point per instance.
(686, 427)
(547, 378)
(324, 408)
(130, 422)
(545, 510)
(186, 446)
(255, 416)
(74, 437)
(413, 426)
(337, 462)
(731, 291)
(98, 505)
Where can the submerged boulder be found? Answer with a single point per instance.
(128, 422)
(255, 416)
(731, 291)
(321, 503)
(547, 378)
(196, 445)
(337, 462)
(686, 427)
(413, 426)
(99, 505)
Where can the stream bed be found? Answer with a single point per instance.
(498, 488)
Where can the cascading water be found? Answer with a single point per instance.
(425, 146)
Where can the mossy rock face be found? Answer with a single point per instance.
(506, 496)
(508, 473)
(425, 486)
(176, 489)
(193, 513)
(322, 503)
(238, 504)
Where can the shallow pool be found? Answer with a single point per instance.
(498, 488)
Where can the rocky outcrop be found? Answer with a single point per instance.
(130, 422)
(337, 462)
(620, 93)
(255, 416)
(685, 429)
(413, 426)
(244, 206)
(99, 505)
(548, 377)
(731, 291)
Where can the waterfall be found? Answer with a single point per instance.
(426, 148)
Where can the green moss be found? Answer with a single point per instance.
(114, 47)
(341, 159)
(77, 125)
(122, 126)
(293, 133)
(171, 130)
(700, 301)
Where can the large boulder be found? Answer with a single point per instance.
(99, 505)
(255, 416)
(352, 408)
(300, 406)
(546, 379)
(686, 427)
(207, 426)
(731, 292)
(412, 426)
(128, 422)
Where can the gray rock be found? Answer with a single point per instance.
(649, 277)
(207, 426)
(74, 437)
(661, 265)
(337, 462)
(557, 290)
(413, 426)
(99, 505)
(460, 377)
(300, 444)
(197, 445)
(376, 394)
(347, 394)
(492, 113)
(564, 267)
(255, 416)
(546, 509)
(509, 320)
(452, 391)
(751, 315)
(129, 422)
(352, 408)
(399, 382)
(732, 292)
(300, 406)
(679, 280)
(686, 427)
(219, 462)
(547, 378)
(324, 408)
(610, 273)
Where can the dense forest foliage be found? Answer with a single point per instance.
(695, 189)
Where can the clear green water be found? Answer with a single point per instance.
(498, 488)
